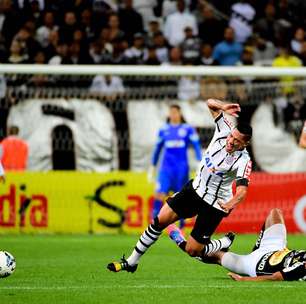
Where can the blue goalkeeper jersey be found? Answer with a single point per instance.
(174, 141)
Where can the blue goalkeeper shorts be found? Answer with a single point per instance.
(171, 180)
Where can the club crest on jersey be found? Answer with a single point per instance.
(230, 159)
(182, 132)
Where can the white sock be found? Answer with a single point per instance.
(149, 237)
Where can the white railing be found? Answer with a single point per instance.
(146, 70)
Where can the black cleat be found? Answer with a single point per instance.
(123, 265)
(231, 236)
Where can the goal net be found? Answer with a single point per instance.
(103, 118)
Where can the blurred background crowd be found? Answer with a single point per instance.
(154, 32)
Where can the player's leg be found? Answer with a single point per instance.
(275, 217)
(179, 178)
(199, 243)
(148, 238)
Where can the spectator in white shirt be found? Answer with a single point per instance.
(241, 20)
(108, 87)
(177, 22)
(43, 32)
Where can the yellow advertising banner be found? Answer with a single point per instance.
(75, 202)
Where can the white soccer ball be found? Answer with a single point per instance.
(7, 264)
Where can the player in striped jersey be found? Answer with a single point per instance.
(209, 196)
(270, 259)
(302, 142)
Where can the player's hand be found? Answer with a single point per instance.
(235, 276)
(151, 174)
(232, 109)
(2, 179)
(225, 207)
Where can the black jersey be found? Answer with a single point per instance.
(291, 263)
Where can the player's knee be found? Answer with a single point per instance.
(192, 251)
(277, 215)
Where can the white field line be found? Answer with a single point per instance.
(149, 286)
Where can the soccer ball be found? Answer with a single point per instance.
(7, 264)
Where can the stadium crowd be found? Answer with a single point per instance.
(154, 32)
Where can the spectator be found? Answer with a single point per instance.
(130, 20)
(175, 56)
(17, 54)
(114, 28)
(61, 55)
(161, 47)
(14, 151)
(67, 29)
(146, 9)
(177, 22)
(206, 57)
(241, 20)
(264, 52)
(168, 8)
(77, 55)
(191, 46)
(151, 56)
(298, 39)
(302, 55)
(86, 24)
(99, 53)
(118, 54)
(210, 22)
(108, 87)
(43, 32)
(227, 52)
(286, 59)
(53, 41)
(270, 28)
(10, 21)
(153, 28)
(188, 88)
(136, 53)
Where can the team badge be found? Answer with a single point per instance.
(182, 132)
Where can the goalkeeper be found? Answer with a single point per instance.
(173, 139)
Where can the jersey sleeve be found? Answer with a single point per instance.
(222, 123)
(243, 172)
(294, 272)
(195, 141)
(158, 147)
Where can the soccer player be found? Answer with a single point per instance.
(209, 196)
(302, 142)
(270, 259)
(173, 139)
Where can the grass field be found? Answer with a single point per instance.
(72, 269)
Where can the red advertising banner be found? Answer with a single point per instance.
(266, 191)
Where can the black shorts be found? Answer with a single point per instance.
(187, 204)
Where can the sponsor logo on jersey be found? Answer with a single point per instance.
(175, 143)
(263, 261)
(278, 256)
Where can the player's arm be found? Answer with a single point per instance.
(277, 276)
(216, 107)
(155, 156)
(241, 193)
(195, 141)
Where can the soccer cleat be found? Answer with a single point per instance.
(231, 237)
(175, 234)
(123, 265)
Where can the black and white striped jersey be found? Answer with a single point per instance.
(218, 169)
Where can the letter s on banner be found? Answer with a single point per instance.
(298, 213)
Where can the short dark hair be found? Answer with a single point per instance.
(245, 129)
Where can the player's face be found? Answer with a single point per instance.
(175, 116)
(235, 141)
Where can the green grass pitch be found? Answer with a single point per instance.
(72, 269)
